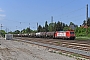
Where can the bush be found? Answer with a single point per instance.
(2, 33)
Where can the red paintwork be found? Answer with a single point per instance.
(64, 34)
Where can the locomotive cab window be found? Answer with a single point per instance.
(71, 32)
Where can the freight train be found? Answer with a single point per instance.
(55, 35)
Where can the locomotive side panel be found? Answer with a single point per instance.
(70, 35)
(65, 34)
(60, 34)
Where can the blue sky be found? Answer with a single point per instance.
(12, 12)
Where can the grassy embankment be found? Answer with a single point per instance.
(82, 38)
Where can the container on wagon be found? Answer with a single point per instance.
(8, 36)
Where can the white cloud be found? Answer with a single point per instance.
(2, 15)
(1, 10)
(1, 18)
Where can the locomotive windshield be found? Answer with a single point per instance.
(71, 32)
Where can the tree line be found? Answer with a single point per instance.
(82, 30)
(57, 26)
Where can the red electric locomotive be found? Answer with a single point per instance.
(65, 35)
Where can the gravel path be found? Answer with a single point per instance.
(13, 50)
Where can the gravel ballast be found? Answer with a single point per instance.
(14, 50)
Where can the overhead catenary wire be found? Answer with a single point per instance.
(45, 14)
(59, 15)
(65, 15)
(73, 17)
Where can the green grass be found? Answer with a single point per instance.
(77, 55)
(60, 53)
(82, 38)
(58, 43)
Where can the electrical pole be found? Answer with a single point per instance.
(86, 19)
(29, 25)
(21, 30)
(6, 29)
(52, 22)
(51, 19)
(1, 26)
(1, 33)
(1, 29)
(37, 26)
(16, 27)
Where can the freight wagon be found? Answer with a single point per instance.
(55, 35)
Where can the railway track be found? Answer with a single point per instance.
(81, 48)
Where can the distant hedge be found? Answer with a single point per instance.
(80, 31)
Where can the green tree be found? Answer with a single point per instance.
(40, 28)
(16, 32)
(27, 30)
(2, 33)
(46, 26)
(66, 28)
(51, 27)
(24, 31)
(10, 32)
(71, 23)
(63, 25)
(80, 31)
(84, 22)
(66, 25)
(55, 28)
(72, 26)
(88, 22)
(59, 26)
